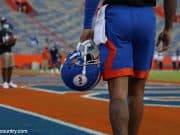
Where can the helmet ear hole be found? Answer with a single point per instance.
(90, 58)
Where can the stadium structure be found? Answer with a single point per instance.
(60, 21)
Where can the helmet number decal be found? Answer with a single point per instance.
(80, 80)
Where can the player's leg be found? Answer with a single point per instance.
(136, 104)
(9, 65)
(9, 74)
(46, 66)
(143, 48)
(116, 58)
(4, 58)
(10, 70)
(4, 74)
(118, 105)
(42, 66)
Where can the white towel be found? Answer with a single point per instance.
(99, 27)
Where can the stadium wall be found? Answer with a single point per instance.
(25, 61)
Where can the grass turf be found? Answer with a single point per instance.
(165, 75)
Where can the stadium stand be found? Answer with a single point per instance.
(59, 20)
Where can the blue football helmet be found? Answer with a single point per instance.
(80, 70)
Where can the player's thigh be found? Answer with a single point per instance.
(11, 59)
(5, 59)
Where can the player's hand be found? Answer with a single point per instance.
(163, 41)
(86, 34)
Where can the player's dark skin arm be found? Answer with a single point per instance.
(170, 11)
(165, 35)
(86, 34)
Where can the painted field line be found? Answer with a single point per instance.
(53, 120)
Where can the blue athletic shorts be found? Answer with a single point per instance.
(130, 42)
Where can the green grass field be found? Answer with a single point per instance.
(165, 75)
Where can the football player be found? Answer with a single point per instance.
(7, 41)
(125, 30)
